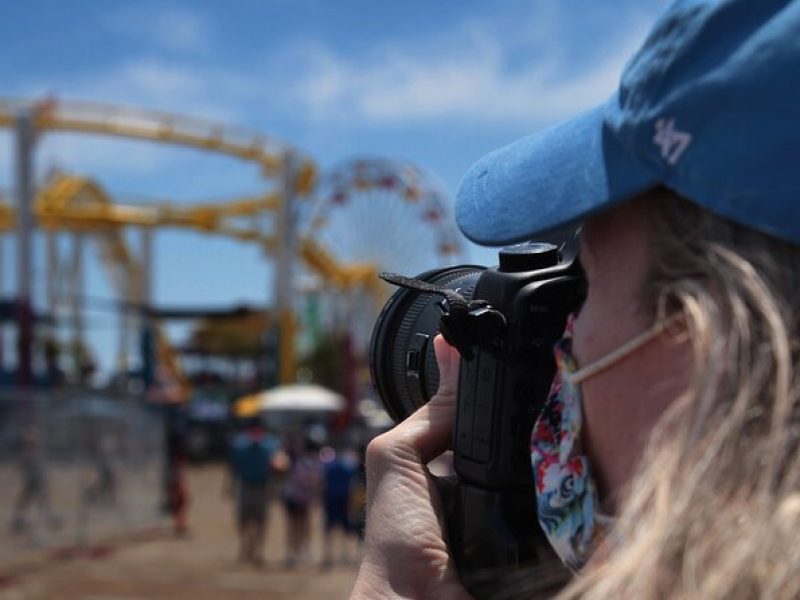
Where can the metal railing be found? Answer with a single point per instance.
(76, 468)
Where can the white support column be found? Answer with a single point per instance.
(54, 281)
(287, 252)
(75, 290)
(146, 284)
(147, 341)
(123, 341)
(25, 142)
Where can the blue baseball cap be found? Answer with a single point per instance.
(709, 107)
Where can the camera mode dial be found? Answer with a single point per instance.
(528, 256)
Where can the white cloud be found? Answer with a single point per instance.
(162, 85)
(511, 69)
(155, 83)
(472, 73)
(158, 80)
(168, 27)
(180, 30)
(166, 86)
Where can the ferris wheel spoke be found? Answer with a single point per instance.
(385, 212)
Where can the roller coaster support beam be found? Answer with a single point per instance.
(25, 143)
(287, 234)
(146, 324)
(76, 295)
(53, 274)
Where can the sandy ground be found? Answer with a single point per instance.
(202, 565)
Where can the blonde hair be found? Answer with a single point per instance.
(714, 510)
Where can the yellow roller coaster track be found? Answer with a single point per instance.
(76, 203)
(137, 123)
(358, 275)
(79, 204)
(71, 202)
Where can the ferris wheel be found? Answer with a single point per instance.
(386, 212)
(384, 215)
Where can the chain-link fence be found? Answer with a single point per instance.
(76, 467)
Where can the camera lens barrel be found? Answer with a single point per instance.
(402, 360)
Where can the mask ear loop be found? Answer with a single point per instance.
(617, 355)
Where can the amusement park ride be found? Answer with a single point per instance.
(345, 240)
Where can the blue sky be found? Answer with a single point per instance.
(438, 83)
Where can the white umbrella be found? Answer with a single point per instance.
(373, 415)
(301, 397)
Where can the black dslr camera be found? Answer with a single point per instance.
(504, 321)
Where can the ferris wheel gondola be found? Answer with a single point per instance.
(385, 212)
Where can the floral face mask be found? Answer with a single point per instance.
(566, 494)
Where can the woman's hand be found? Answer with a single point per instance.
(405, 551)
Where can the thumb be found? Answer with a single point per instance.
(428, 431)
(448, 360)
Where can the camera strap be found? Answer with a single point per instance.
(456, 312)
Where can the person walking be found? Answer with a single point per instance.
(176, 489)
(301, 488)
(339, 477)
(254, 454)
(34, 491)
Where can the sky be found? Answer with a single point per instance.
(434, 83)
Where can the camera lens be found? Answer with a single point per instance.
(402, 360)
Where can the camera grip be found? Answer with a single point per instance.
(493, 559)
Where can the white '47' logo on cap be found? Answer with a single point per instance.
(671, 141)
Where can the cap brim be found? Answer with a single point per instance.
(548, 181)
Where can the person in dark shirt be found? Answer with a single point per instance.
(339, 472)
(300, 490)
(253, 454)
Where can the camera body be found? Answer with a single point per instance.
(505, 379)
(503, 385)
(514, 313)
